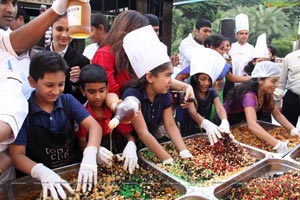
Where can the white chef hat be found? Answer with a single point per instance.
(265, 69)
(144, 50)
(241, 22)
(261, 48)
(208, 61)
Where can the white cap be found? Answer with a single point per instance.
(241, 22)
(144, 50)
(265, 69)
(208, 61)
(261, 48)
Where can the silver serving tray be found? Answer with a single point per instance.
(292, 155)
(267, 126)
(257, 153)
(18, 187)
(195, 195)
(265, 168)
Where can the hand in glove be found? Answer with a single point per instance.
(104, 157)
(224, 126)
(185, 154)
(130, 156)
(282, 147)
(295, 132)
(169, 161)
(88, 169)
(212, 131)
(60, 6)
(50, 181)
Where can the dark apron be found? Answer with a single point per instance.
(52, 149)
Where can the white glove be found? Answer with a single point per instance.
(104, 157)
(60, 6)
(295, 132)
(278, 94)
(88, 169)
(224, 126)
(282, 147)
(50, 181)
(168, 161)
(211, 130)
(185, 154)
(130, 156)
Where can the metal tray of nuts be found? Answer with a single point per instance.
(145, 183)
(241, 134)
(267, 177)
(194, 172)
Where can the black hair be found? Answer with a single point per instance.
(203, 23)
(249, 67)
(92, 73)
(195, 83)
(214, 40)
(46, 62)
(22, 12)
(14, 2)
(227, 39)
(142, 82)
(273, 52)
(98, 19)
(153, 19)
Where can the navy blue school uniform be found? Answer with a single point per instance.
(152, 112)
(187, 125)
(49, 137)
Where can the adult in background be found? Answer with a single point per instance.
(201, 31)
(290, 81)
(99, 29)
(241, 51)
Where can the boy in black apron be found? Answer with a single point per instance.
(46, 139)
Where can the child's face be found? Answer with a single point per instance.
(204, 82)
(269, 84)
(50, 87)
(60, 34)
(160, 84)
(95, 93)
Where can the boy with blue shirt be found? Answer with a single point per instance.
(47, 139)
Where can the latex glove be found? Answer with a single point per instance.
(88, 169)
(211, 130)
(282, 147)
(60, 6)
(168, 161)
(50, 181)
(185, 154)
(130, 156)
(224, 126)
(104, 157)
(295, 132)
(278, 94)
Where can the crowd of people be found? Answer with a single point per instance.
(58, 102)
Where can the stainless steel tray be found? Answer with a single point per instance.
(195, 195)
(267, 126)
(292, 155)
(265, 168)
(256, 153)
(18, 187)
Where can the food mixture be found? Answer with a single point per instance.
(283, 186)
(118, 184)
(210, 165)
(242, 134)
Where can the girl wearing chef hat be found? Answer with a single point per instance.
(245, 101)
(149, 59)
(206, 66)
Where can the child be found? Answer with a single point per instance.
(152, 66)
(46, 139)
(93, 85)
(246, 101)
(206, 65)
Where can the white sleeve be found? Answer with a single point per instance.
(5, 43)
